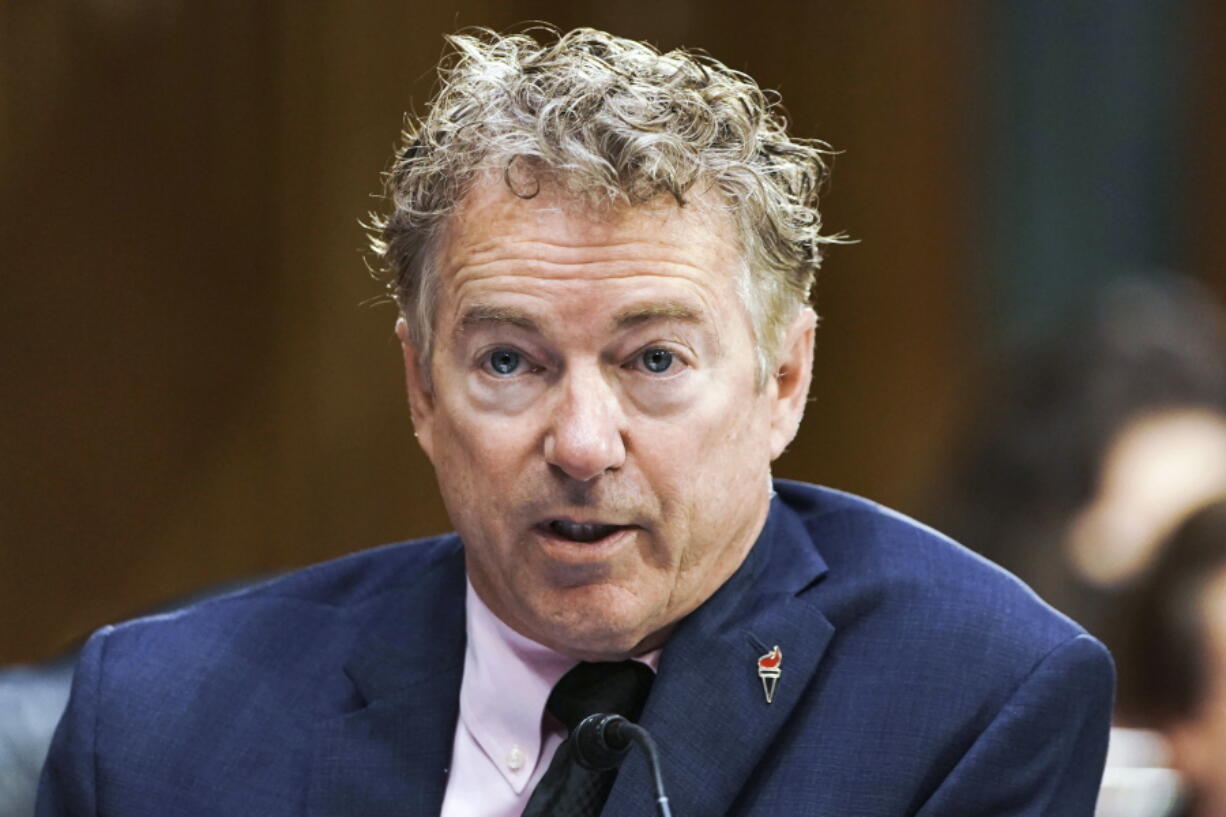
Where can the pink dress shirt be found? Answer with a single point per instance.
(503, 743)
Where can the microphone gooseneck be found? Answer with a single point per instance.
(602, 741)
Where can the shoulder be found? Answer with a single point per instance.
(156, 702)
(329, 589)
(293, 629)
(945, 668)
(893, 579)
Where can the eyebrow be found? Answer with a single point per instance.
(668, 310)
(481, 314)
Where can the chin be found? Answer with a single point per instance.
(592, 629)
(598, 648)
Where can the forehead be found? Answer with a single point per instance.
(552, 245)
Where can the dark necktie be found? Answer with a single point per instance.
(568, 789)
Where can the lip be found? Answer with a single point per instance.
(568, 550)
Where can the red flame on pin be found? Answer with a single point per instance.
(771, 660)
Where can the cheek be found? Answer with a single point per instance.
(732, 461)
(474, 456)
(705, 461)
(732, 430)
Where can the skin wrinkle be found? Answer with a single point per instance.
(535, 249)
(523, 256)
(519, 286)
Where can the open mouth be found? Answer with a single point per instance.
(581, 531)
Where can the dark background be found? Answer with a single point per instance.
(199, 383)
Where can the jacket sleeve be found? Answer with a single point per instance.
(1043, 752)
(68, 784)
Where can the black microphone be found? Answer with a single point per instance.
(601, 742)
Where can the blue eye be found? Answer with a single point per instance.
(504, 361)
(657, 361)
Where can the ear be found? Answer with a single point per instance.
(791, 380)
(417, 386)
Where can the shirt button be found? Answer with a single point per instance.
(515, 759)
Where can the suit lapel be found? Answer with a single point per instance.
(707, 709)
(388, 753)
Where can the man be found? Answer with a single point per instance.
(603, 257)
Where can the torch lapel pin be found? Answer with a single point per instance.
(769, 670)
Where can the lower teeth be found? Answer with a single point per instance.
(582, 533)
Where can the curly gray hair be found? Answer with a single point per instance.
(616, 122)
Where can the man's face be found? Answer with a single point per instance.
(592, 413)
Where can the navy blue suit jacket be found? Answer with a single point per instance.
(917, 679)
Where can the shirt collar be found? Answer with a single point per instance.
(507, 680)
(506, 684)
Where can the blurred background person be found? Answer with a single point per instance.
(1172, 659)
(1091, 444)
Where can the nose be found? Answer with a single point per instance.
(585, 436)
